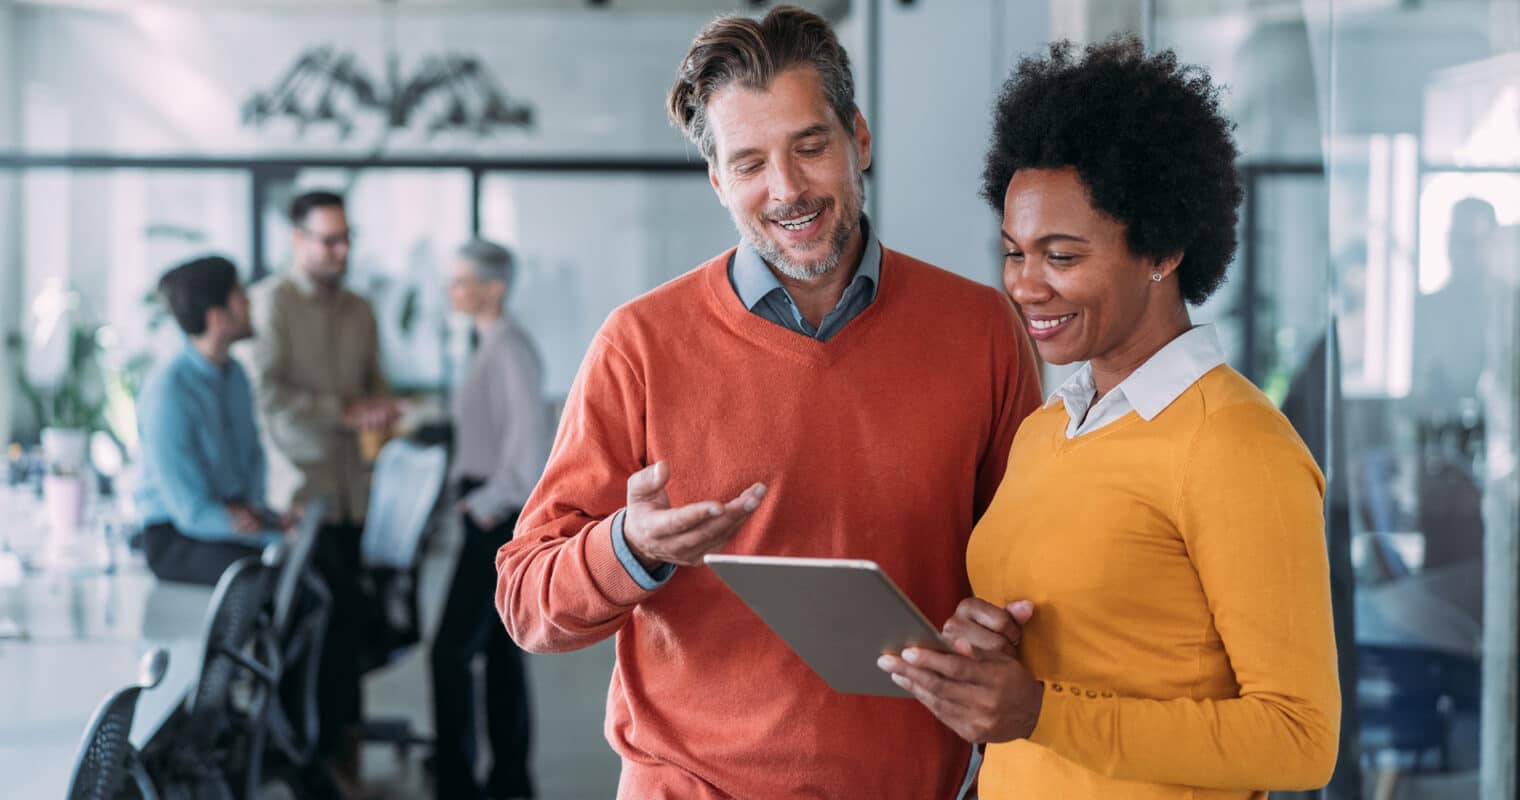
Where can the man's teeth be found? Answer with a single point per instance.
(798, 223)
(1047, 324)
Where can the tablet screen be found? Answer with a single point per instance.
(839, 615)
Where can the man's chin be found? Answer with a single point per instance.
(815, 266)
(327, 276)
(806, 272)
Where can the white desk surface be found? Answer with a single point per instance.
(85, 636)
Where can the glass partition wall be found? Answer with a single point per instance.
(1423, 170)
(1376, 298)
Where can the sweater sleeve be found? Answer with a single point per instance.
(560, 585)
(1018, 388)
(1250, 512)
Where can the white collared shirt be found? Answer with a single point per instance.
(1148, 390)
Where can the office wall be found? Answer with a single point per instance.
(942, 64)
(172, 80)
(10, 273)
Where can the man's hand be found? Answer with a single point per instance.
(657, 533)
(371, 413)
(244, 519)
(462, 505)
(291, 519)
(987, 628)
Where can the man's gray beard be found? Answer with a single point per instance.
(771, 252)
(804, 272)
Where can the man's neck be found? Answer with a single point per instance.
(212, 347)
(326, 287)
(485, 319)
(816, 297)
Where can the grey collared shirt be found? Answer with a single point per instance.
(762, 293)
(502, 428)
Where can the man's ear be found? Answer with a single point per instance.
(717, 185)
(862, 140)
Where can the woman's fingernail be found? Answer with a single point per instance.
(910, 655)
(901, 681)
(759, 490)
(751, 504)
(885, 663)
(714, 511)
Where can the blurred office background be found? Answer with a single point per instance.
(1376, 292)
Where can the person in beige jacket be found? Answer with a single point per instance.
(320, 390)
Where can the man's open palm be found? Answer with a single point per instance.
(658, 533)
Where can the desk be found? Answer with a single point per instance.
(1437, 609)
(86, 635)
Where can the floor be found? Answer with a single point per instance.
(571, 759)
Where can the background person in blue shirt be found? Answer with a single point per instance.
(203, 480)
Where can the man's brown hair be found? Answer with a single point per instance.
(753, 52)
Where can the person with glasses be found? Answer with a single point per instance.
(317, 375)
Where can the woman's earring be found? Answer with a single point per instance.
(1156, 276)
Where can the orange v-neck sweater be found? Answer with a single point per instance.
(884, 443)
(1182, 603)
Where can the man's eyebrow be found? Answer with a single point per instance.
(819, 129)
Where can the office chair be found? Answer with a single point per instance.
(1408, 698)
(301, 610)
(106, 757)
(218, 746)
(406, 487)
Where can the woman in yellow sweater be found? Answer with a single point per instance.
(1152, 611)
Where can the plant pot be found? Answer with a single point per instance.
(66, 447)
(63, 498)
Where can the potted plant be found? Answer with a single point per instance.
(65, 386)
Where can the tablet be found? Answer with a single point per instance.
(839, 615)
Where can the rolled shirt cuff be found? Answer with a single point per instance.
(646, 579)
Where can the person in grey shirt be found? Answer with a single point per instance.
(501, 442)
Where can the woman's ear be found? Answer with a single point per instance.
(1166, 266)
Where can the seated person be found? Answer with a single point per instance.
(202, 493)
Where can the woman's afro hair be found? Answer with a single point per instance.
(1145, 135)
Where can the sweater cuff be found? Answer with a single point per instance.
(608, 574)
(1066, 709)
(646, 579)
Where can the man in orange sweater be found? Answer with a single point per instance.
(808, 393)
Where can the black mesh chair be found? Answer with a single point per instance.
(219, 743)
(108, 766)
(301, 611)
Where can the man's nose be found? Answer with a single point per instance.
(787, 183)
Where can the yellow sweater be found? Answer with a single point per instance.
(1182, 603)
